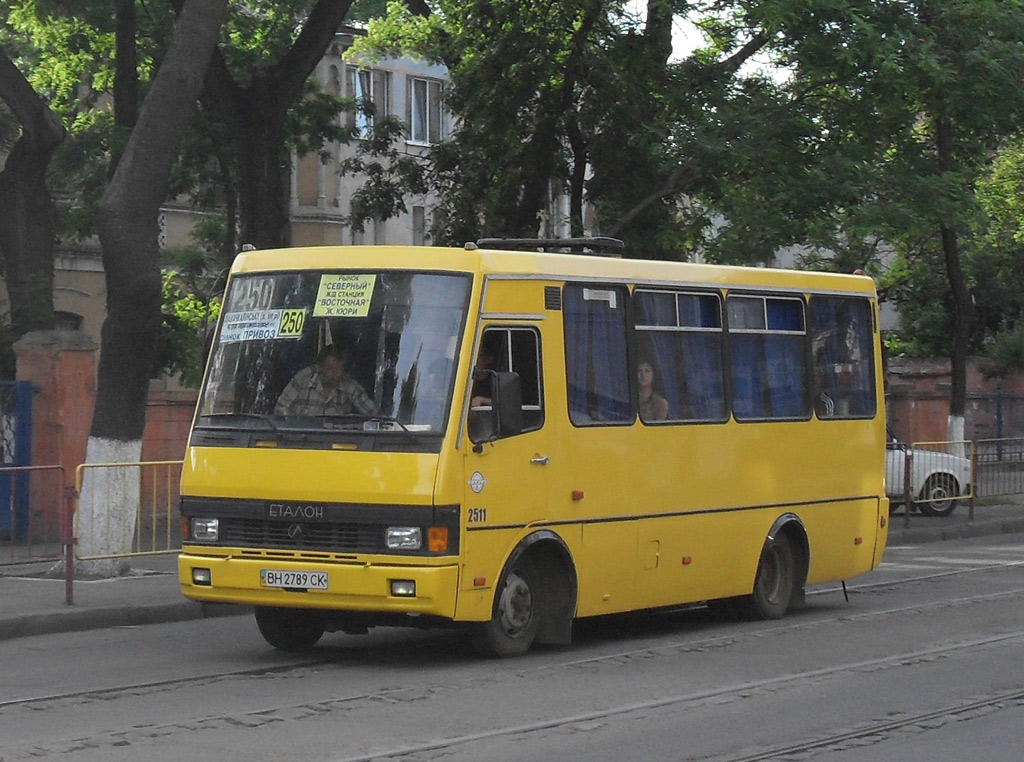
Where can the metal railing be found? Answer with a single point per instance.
(934, 478)
(152, 485)
(35, 514)
(156, 529)
(999, 464)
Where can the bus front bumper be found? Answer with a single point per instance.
(369, 586)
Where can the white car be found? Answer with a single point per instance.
(936, 478)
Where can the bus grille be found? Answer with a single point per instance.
(337, 537)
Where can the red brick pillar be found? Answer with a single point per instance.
(62, 368)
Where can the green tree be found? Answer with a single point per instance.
(904, 104)
(128, 226)
(541, 93)
(28, 224)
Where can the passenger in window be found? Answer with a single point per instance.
(824, 405)
(325, 388)
(653, 407)
(482, 376)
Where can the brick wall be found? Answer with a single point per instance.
(168, 418)
(917, 398)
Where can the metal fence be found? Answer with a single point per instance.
(35, 512)
(999, 467)
(153, 485)
(934, 478)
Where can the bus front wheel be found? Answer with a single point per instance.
(289, 629)
(513, 625)
(775, 579)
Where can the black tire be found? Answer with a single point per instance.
(938, 496)
(290, 630)
(513, 625)
(775, 580)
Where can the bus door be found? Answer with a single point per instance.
(506, 478)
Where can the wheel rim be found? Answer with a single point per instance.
(515, 607)
(774, 574)
(939, 495)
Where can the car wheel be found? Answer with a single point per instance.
(775, 580)
(938, 495)
(513, 626)
(290, 629)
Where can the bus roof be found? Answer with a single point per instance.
(542, 265)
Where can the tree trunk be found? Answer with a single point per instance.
(962, 304)
(128, 226)
(28, 222)
(263, 203)
(255, 118)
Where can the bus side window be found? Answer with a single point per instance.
(597, 373)
(768, 357)
(680, 335)
(841, 346)
(515, 350)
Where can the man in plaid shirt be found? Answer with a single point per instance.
(324, 389)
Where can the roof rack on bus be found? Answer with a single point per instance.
(600, 245)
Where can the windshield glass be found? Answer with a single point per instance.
(318, 351)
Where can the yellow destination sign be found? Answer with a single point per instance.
(344, 295)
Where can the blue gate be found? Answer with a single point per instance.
(15, 450)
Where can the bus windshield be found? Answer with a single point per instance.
(335, 351)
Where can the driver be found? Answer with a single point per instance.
(325, 388)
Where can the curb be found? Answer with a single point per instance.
(917, 535)
(81, 620)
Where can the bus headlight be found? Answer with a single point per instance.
(205, 530)
(403, 538)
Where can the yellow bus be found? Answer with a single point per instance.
(511, 440)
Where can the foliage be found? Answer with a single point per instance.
(837, 145)
(188, 312)
(390, 174)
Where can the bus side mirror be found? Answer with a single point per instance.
(509, 404)
(504, 417)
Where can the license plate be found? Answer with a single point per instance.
(298, 580)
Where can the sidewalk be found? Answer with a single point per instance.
(33, 604)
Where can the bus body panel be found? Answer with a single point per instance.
(310, 475)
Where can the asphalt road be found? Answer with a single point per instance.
(923, 662)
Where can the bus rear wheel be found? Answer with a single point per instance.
(775, 580)
(513, 625)
(289, 629)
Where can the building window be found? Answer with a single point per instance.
(67, 321)
(371, 91)
(419, 226)
(425, 123)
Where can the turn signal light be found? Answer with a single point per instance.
(437, 539)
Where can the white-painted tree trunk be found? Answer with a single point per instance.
(955, 435)
(108, 505)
